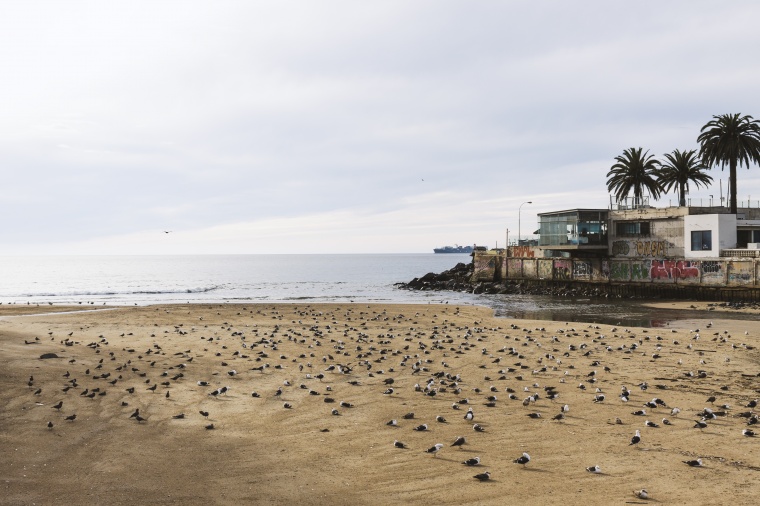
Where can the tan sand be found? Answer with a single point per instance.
(261, 453)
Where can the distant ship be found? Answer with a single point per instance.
(453, 249)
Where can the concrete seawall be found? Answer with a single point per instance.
(715, 279)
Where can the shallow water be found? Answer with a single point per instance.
(129, 280)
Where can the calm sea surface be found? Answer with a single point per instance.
(128, 280)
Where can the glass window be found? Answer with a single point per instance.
(701, 240)
(632, 228)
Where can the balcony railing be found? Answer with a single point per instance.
(740, 253)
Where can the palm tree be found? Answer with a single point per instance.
(683, 167)
(634, 171)
(730, 139)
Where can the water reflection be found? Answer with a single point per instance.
(596, 310)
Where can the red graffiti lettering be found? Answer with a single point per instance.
(671, 269)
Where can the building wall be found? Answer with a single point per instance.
(665, 238)
(723, 227)
(721, 272)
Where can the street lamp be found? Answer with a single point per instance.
(518, 220)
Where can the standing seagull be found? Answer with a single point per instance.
(636, 439)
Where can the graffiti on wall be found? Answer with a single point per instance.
(620, 248)
(545, 269)
(563, 269)
(619, 271)
(640, 270)
(582, 270)
(606, 269)
(485, 269)
(523, 252)
(674, 269)
(740, 272)
(514, 267)
(640, 248)
(712, 272)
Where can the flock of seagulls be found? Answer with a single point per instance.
(312, 353)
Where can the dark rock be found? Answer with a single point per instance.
(48, 355)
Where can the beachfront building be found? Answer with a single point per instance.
(636, 249)
(649, 232)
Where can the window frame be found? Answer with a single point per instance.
(701, 240)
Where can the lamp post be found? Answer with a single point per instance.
(518, 220)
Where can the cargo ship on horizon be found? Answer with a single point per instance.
(453, 249)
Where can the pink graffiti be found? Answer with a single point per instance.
(672, 269)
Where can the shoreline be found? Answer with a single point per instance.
(260, 451)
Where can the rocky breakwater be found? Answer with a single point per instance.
(455, 279)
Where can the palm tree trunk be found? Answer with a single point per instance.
(732, 182)
(682, 195)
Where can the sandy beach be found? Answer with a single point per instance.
(310, 390)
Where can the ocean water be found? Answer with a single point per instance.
(129, 280)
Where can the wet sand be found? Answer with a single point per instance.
(263, 453)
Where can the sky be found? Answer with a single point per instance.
(321, 126)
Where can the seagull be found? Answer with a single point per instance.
(665, 421)
(462, 441)
(651, 424)
(421, 428)
(399, 444)
(50, 425)
(204, 413)
(693, 463)
(636, 439)
(71, 418)
(522, 460)
(434, 449)
(470, 415)
(594, 469)
(748, 433)
(440, 419)
(210, 426)
(478, 428)
(58, 406)
(392, 423)
(475, 461)
(179, 416)
(700, 424)
(641, 494)
(483, 476)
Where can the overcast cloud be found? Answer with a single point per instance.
(345, 126)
